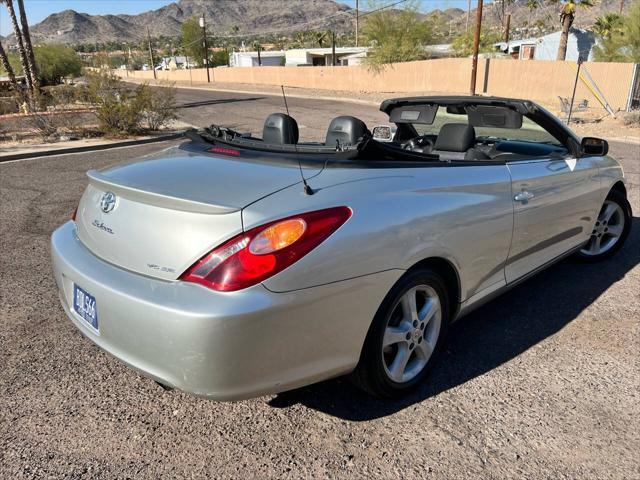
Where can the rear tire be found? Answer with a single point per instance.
(610, 230)
(406, 335)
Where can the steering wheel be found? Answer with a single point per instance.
(419, 144)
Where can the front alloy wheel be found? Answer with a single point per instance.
(610, 230)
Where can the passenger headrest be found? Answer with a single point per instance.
(279, 129)
(346, 131)
(455, 137)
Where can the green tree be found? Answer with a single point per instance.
(56, 61)
(462, 45)
(395, 36)
(610, 35)
(619, 37)
(192, 43)
(631, 33)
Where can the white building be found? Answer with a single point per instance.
(299, 57)
(323, 56)
(250, 59)
(172, 63)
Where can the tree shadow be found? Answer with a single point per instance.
(490, 336)
(204, 103)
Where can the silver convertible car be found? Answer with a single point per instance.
(233, 266)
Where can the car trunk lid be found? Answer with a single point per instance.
(157, 217)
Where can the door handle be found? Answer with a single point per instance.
(523, 196)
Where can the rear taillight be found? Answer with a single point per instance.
(253, 256)
(75, 214)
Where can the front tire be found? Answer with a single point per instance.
(406, 335)
(610, 230)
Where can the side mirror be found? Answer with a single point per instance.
(594, 146)
(383, 133)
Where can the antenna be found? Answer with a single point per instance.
(307, 189)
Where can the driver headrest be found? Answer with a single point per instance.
(455, 137)
(345, 131)
(279, 129)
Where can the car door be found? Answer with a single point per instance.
(555, 201)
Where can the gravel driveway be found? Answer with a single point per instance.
(543, 382)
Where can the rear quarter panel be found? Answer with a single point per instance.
(401, 216)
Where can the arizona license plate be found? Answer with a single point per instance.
(84, 305)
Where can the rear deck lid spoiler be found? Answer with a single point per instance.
(156, 197)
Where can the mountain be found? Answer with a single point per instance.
(287, 16)
(250, 16)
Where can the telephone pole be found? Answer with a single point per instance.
(476, 48)
(206, 47)
(506, 29)
(153, 67)
(333, 48)
(358, 19)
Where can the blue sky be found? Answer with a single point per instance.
(37, 10)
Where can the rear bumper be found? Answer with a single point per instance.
(225, 346)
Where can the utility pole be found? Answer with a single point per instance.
(153, 67)
(126, 59)
(206, 47)
(466, 28)
(333, 48)
(476, 48)
(358, 19)
(621, 6)
(506, 30)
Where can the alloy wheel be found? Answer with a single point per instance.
(411, 333)
(607, 230)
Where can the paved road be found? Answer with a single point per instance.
(540, 383)
(247, 112)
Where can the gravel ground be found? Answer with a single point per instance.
(541, 383)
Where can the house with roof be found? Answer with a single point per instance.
(253, 59)
(299, 57)
(579, 45)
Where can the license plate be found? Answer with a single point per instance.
(84, 305)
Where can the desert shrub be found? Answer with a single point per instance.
(632, 118)
(122, 110)
(161, 106)
(9, 104)
(64, 95)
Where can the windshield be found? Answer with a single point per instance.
(529, 132)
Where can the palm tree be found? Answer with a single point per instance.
(26, 36)
(321, 37)
(567, 16)
(607, 24)
(21, 50)
(7, 66)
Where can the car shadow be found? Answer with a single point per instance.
(204, 103)
(490, 336)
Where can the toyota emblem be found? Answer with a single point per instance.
(108, 202)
